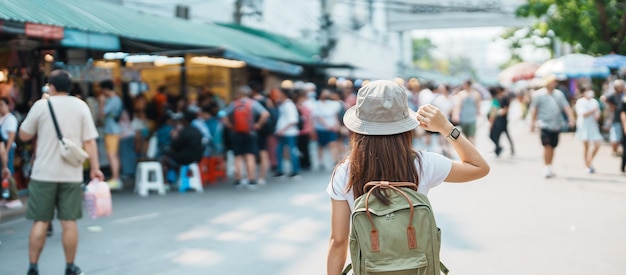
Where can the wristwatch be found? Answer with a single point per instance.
(454, 134)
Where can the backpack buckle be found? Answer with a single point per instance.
(384, 184)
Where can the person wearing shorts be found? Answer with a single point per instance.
(111, 109)
(245, 145)
(326, 123)
(54, 183)
(546, 107)
(614, 103)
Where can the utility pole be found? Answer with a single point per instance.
(327, 38)
(247, 8)
(238, 14)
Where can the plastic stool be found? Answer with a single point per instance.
(149, 176)
(189, 178)
(212, 169)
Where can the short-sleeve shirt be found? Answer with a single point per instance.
(435, 169)
(257, 108)
(288, 115)
(623, 111)
(8, 125)
(616, 100)
(327, 111)
(112, 110)
(549, 108)
(75, 122)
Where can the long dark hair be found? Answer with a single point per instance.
(390, 158)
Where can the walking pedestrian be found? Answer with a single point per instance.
(54, 183)
(467, 110)
(240, 120)
(587, 128)
(498, 118)
(614, 105)
(382, 131)
(623, 120)
(547, 106)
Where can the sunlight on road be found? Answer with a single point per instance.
(198, 257)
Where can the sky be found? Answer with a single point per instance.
(481, 45)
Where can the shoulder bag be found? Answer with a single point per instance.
(71, 152)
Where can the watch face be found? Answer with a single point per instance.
(455, 133)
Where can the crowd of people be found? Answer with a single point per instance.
(270, 131)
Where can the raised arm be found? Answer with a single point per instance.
(471, 165)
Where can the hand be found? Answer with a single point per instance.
(257, 126)
(533, 127)
(571, 123)
(432, 119)
(96, 174)
(6, 173)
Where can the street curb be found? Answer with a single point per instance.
(7, 215)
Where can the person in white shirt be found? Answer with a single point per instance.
(382, 128)
(55, 183)
(587, 128)
(326, 123)
(287, 133)
(8, 130)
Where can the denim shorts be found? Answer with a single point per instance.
(325, 137)
(616, 133)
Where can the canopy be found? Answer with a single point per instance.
(517, 72)
(613, 61)
(573, 66)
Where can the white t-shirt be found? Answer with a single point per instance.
(445, 104)
(9, 125)
(288, 114)
(435, 169)
(328, 111)
(75, 122)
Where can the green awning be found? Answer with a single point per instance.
(310, 50)
(88, 40)
(105, 18)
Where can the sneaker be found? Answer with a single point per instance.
(591, 170)
(252, 185)
(279, 174)
(550, 174)
(32, 271)
(239, 183)
(14, 204)
(74, 270)
(295, 176)
(115, 184)
(262, 182)
(498, 151)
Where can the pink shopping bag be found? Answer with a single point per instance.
(98, 199)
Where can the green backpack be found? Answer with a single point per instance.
(400, 238)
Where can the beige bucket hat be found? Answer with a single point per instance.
(381, 109)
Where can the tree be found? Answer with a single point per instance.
(422, 53)
(520, 38)
(598, 26)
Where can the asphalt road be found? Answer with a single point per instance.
(511, 222)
